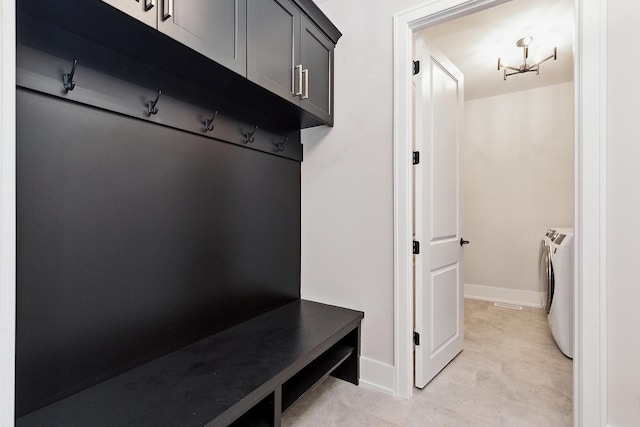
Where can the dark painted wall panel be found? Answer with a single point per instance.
(135, 239)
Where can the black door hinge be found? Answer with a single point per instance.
(416, 247)
(416, 338)
(416, 157)
(416, 67)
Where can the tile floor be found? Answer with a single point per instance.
(510, 373)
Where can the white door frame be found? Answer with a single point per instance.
(589, 201)
(7, 209)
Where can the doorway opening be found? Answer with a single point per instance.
(515, 160)
(589, 193)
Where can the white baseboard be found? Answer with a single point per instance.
(509, 296)
(376, 375)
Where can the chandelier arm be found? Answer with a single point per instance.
(544, 60)
(511, 68)
(511, 74)
(530, 70)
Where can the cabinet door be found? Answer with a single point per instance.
(273, 46)
(215, 28)
(317, 59)
(142, 10)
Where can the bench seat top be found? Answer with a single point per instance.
(219, 376)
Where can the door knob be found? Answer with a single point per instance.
(463, 242)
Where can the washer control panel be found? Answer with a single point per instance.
(558, 238)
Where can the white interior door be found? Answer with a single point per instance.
(439, 296)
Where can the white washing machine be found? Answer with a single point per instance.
(546, 274)
(556, 282)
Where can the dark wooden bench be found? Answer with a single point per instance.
(246, 375)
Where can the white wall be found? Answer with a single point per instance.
(623, 214)
(347, 177)
(517, 172)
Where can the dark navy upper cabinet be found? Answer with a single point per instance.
(273, 46)
(317, 86)
(143, 10)
(288, 55)
(283, 46)
(215, 28)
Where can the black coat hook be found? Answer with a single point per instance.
(249, 137)
(151, 105)
(280, 145)
(208, 124)
(67, 79)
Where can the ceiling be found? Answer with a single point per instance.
(474, 43)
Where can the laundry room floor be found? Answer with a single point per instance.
(510, 373)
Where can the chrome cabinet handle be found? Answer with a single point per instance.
(299, 70)
(306, 83)
(167, 9)
(148, 5)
